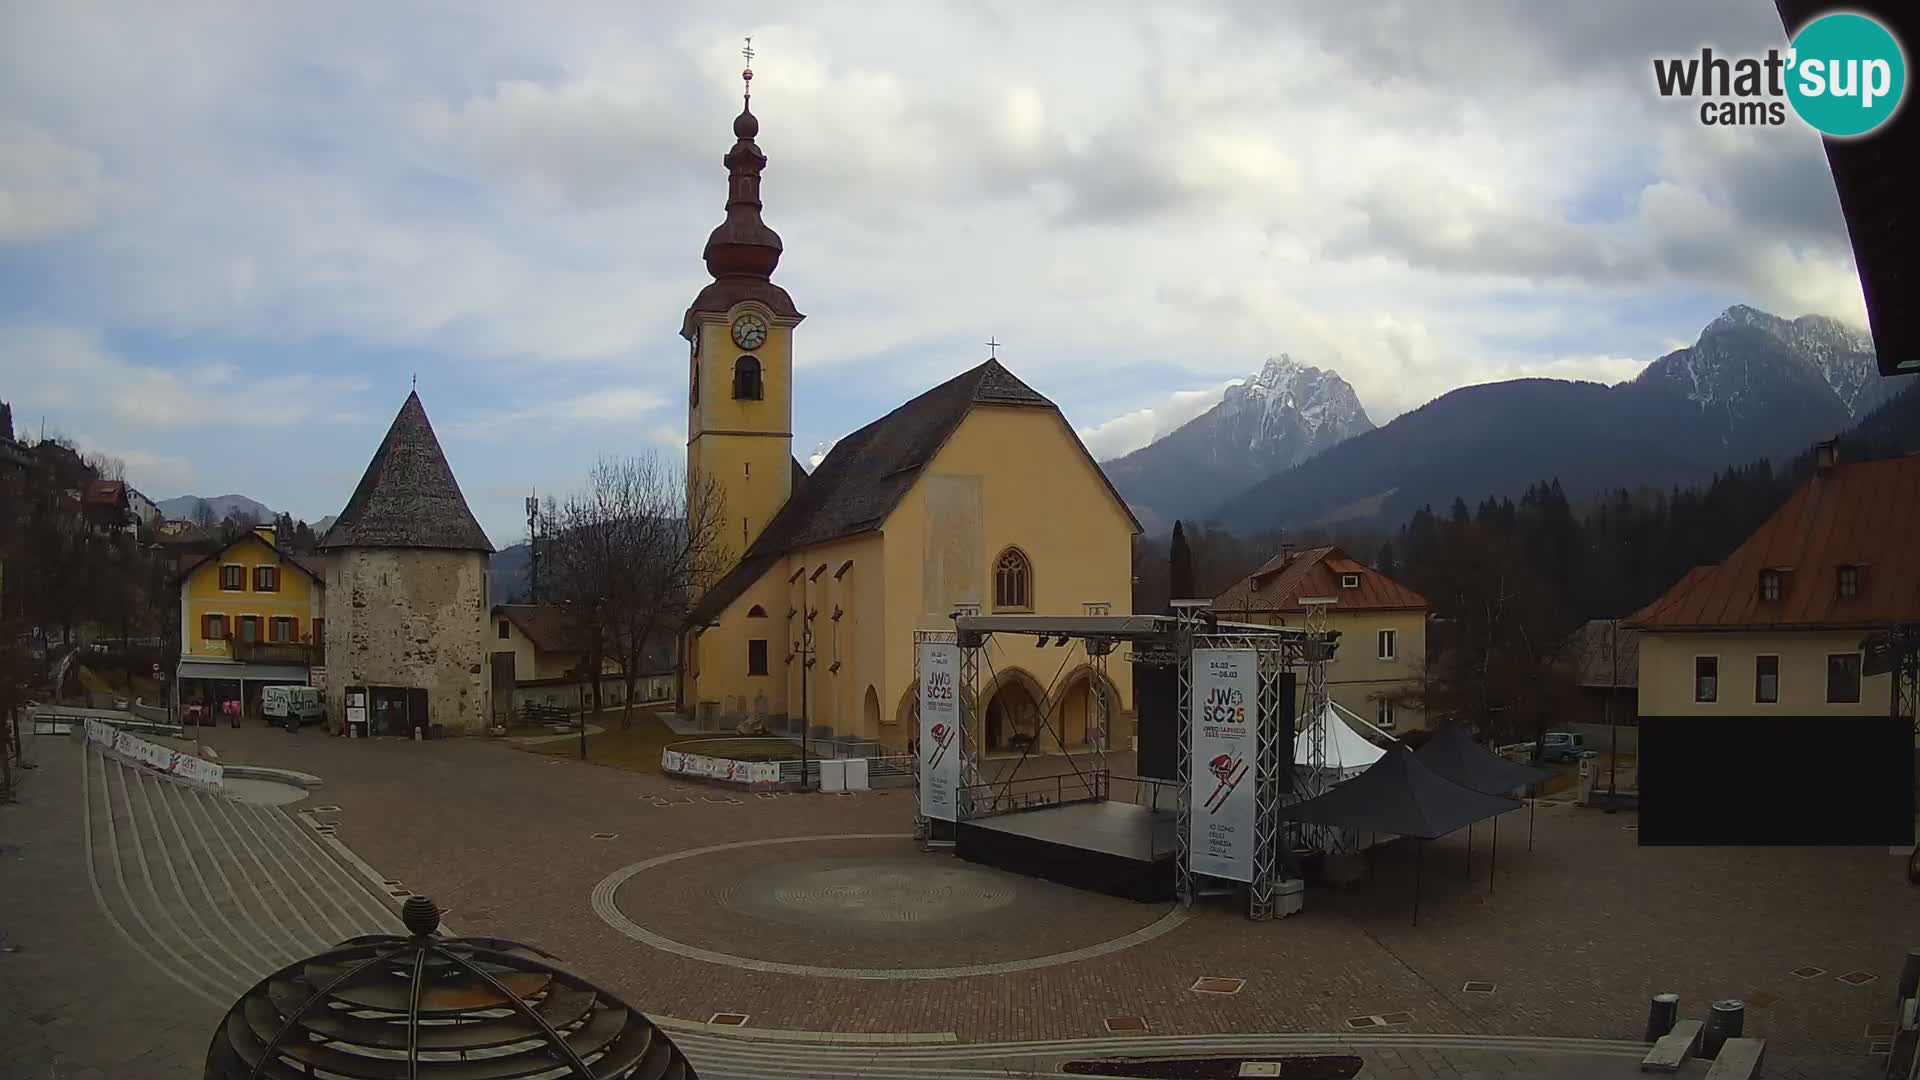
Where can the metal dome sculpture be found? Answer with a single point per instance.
(385, 1007)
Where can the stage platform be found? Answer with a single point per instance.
(1115, 848)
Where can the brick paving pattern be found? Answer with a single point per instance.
(1578, 933)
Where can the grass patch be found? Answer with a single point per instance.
(637, 748)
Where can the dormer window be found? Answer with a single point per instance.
(746, 379)
(1349, 581)
(1769, 586)
(1847, 582)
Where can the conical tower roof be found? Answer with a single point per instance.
(408, 497)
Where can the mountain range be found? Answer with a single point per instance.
(1282, 416)
(1753, 385)
(181, 507)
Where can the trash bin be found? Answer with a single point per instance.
(1662, 1013)
(1289, 897)
(1726, 1020)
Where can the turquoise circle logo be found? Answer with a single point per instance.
(1847, 74)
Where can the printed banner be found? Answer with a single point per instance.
(173, 762)
(1224, 765)
(940, 744)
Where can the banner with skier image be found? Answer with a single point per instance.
(1224, 752)
(939, 730)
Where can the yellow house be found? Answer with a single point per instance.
(1382, 626)
(251, 615)
(1776, 629)
(974, 496)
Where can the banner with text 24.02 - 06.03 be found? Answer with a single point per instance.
(1225, 756)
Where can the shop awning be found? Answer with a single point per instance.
(215, 669)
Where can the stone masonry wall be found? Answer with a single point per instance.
(410, 617)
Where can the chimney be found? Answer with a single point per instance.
(264, 532)
(1826, 455)
(1286, 554)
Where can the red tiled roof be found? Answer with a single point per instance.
(1282, 580)
(1863, 515)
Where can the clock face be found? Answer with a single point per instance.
(749, 331)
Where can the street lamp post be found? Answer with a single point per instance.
(803, 649)
(1613, 729)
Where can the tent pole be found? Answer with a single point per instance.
(1494, 854)
(1419, 859)
(1469, 849)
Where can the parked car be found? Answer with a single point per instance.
(292, 706)
(1564, 746)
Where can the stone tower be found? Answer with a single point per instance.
(407, 602)
(739, 333)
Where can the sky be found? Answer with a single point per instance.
(232, 235)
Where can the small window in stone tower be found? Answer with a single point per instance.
(746, 379)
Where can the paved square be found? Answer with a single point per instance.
(1569, 937)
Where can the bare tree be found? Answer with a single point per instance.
(625, 556)
(106, 466)
(203, 515)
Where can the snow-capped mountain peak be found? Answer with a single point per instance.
(1746, 356)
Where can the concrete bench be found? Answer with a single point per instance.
(1739, 1059)
(1674, 1048)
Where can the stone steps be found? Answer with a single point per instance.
(217, 892)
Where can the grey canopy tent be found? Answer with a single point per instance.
(1452, 753)
(1400, 795)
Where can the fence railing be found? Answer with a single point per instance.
(1034, 792)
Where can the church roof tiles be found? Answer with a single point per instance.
(867, 474)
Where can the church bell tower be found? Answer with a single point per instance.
(739, 334)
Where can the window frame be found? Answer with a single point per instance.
(240, 623)
(235, 570)
(1349, 581)
(758, 650)
(268, 573)
(1386, 644)
(1859, 678)
(757, 384)
(1714, 698)
(207, 623)
(505, 633)
(1025, 601)
(1383, 714)
(1772, 585)
(1846, 581)
(292, 625)
(1775, 699)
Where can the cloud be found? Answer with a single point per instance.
(70, 369)
(1132, 430)
(515, 202)
(46, 187)
(147, 470)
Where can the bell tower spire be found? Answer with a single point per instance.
(740, 330)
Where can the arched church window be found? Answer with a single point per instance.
(746, 379)
(1012, 581)
(756, 612)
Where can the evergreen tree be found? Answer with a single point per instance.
(1180, 565)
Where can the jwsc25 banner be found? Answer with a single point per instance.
(939, 730)
(1223, 773)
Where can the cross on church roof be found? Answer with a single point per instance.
(746, 75)
(993, 349)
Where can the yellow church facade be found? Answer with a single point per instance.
(975, 496)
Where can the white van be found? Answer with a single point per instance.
(292, 706)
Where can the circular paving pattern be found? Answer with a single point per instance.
(863, 906)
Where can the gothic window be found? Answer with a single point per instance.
(746, 379)
(1012, 581)
(756, 612)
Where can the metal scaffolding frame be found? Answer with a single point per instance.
(1169, 641)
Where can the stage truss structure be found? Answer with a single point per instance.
(1163, 640)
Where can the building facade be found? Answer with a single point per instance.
(406, 593)
(1378, 668)
(975, 496)
(534, 658)
(251, 616)
(1776, 629)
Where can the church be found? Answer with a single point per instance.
(974, 497)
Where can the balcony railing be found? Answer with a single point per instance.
(279, 652)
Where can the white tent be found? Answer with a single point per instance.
(1347, 752)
